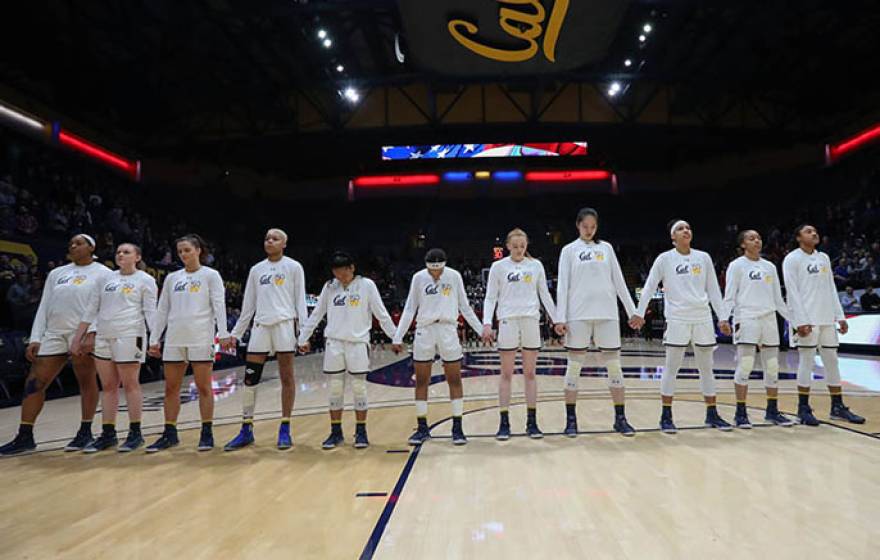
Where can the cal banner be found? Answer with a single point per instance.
(509, 37)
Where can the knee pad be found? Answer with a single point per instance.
(615, 372)
(252, 373)
(359, 390)
(746, 363)
(337, 390)
(771, 372)
(572, 374)
(805, 366)
(33, 385)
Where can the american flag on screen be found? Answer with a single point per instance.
(452, 151)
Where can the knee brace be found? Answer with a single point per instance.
(770, 357)
(572, 372)
(805, 366)
(252, 373)
(703, 356)
(745, 363)
(831, 366)
(337, 390)
(359, 390)
(612, 364)
(674, 357)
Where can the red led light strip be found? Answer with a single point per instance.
(582, 175)
(91, 150)
(396, 180)
(834, 152)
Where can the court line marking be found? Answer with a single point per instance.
(390, 503)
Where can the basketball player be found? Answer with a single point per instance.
(122, 308)
(515, 285)
(436, 297)
(690, 285)
(65, 295)
(816, 312)
(193, 307)
(753, 296)
(350, 302)
(589, 284)
(275, 298)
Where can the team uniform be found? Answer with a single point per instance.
(590, 282)
(690, 285)
(435, 305)
(349, 311)
(193, 307)
(122, 308)
(66, 295)
(753, 296)
(275, 298)
(514, 290)
(812, 299)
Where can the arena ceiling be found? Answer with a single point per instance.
(273, 83)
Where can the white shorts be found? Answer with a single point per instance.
(516, 332)
(341, 356)
(760, 331)
(126, 350)
(437, 338)
(199, 353)
(271, 339)
(822, 335)
(604, 333)
(55, 344)
(679, 333)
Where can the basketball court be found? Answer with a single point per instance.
(783, 492)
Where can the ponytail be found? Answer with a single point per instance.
(517, 232)
(196, 241)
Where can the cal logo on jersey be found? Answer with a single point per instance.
(755, 275)
(434, 289)
(514, 276)
(682, 269)
(76, 280)
(813, 269)
(585, 256)
(339, 301)
(267, 279)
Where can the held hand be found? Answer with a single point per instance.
(844, 326)
(155, 351)
(225, 343)
(397, 348)
(305, 348)
(724, 326)
(487, 335)
(560, 328)
(76, 348)
(804, 330)
(88, 345)
(32, 350)
(636, 323)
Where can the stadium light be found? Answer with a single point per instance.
(642, 38)
(20, 118)
(628, 62)
(328, 43)
(340, 68)
(322, 34)
(351, 94)
(647, 28)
